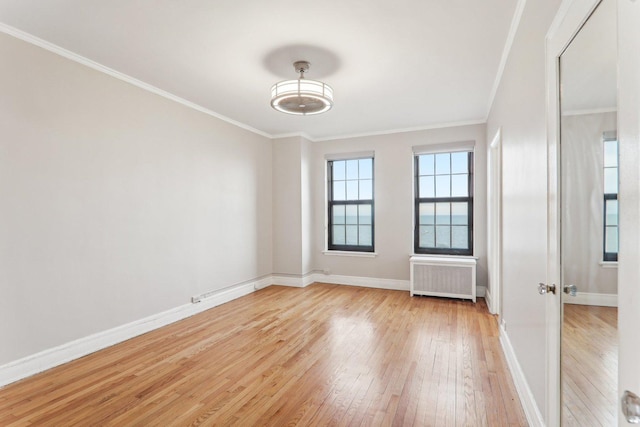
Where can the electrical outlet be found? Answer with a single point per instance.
(195, 300)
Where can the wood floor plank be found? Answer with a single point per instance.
(321, 355)
(589, 365)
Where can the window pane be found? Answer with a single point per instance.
(352, 169)
(459, 162)
(443, 163)
(425, 164)
(612, 212)
(427, 213)
(459, 213)
(443, 236)
(459, 237)
(611, 240)
(443, 213)
(338, 170)
(338, 235)
(610, 153)
(338, 215)
(365, 235)
(366, 189)
(459, 185)
(366, 168)
(351, 214)
(364, 214)
(352, 235)
(426, 187)
(443, 186)
(352, 190)
(426, 238)
(611, 180)
(339, 190)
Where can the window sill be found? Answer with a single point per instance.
(442, 256)
(351, 253)
(609, 264)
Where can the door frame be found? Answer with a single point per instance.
(569, 19)
(494, 223)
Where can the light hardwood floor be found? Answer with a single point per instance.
(589, 366)
(321, 355)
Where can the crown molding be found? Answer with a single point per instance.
(403, 130)
(29, 38)
(513, 29)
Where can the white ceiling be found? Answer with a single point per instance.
(394, 65)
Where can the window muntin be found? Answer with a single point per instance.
(351, 213)
(610, 189)
(444, 203)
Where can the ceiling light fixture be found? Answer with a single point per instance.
(303, 96)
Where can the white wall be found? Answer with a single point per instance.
(116, 203)
(582, 203)
(519, 108)
(287, 206)
(393, 198)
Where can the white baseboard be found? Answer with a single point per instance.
(367, 282)
(489, 299)
(293, 280)
(590, 298)
(481, 291)
(534, 417)
(47, 359)
(301, 281)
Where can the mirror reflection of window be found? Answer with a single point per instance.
(611, 178)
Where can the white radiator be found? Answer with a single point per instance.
(453, 277)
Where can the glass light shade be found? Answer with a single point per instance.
(302, 97)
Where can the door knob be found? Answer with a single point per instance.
(570, 290)
(631, 407)
(546, 289)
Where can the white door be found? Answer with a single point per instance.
(570, 19)
(629, 140)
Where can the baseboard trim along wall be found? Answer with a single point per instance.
(534, 417)
(50, 358)
(590, 298)
(300, 281)
(488, 299)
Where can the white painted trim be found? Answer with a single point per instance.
(481, 291)
(534, 417)
(47, 359)
(513, 29)
(394, 131)
(591, 111)
(590, 298)
(608, 264)
(366, 282)
(14, 32)
(293, 280)
(494, 222)
(488, 298)
(29, 38)
(50, 358)
(352, 254)
(292, 135)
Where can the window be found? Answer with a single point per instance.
(610, 155)
(444, 203)
(350, 193)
